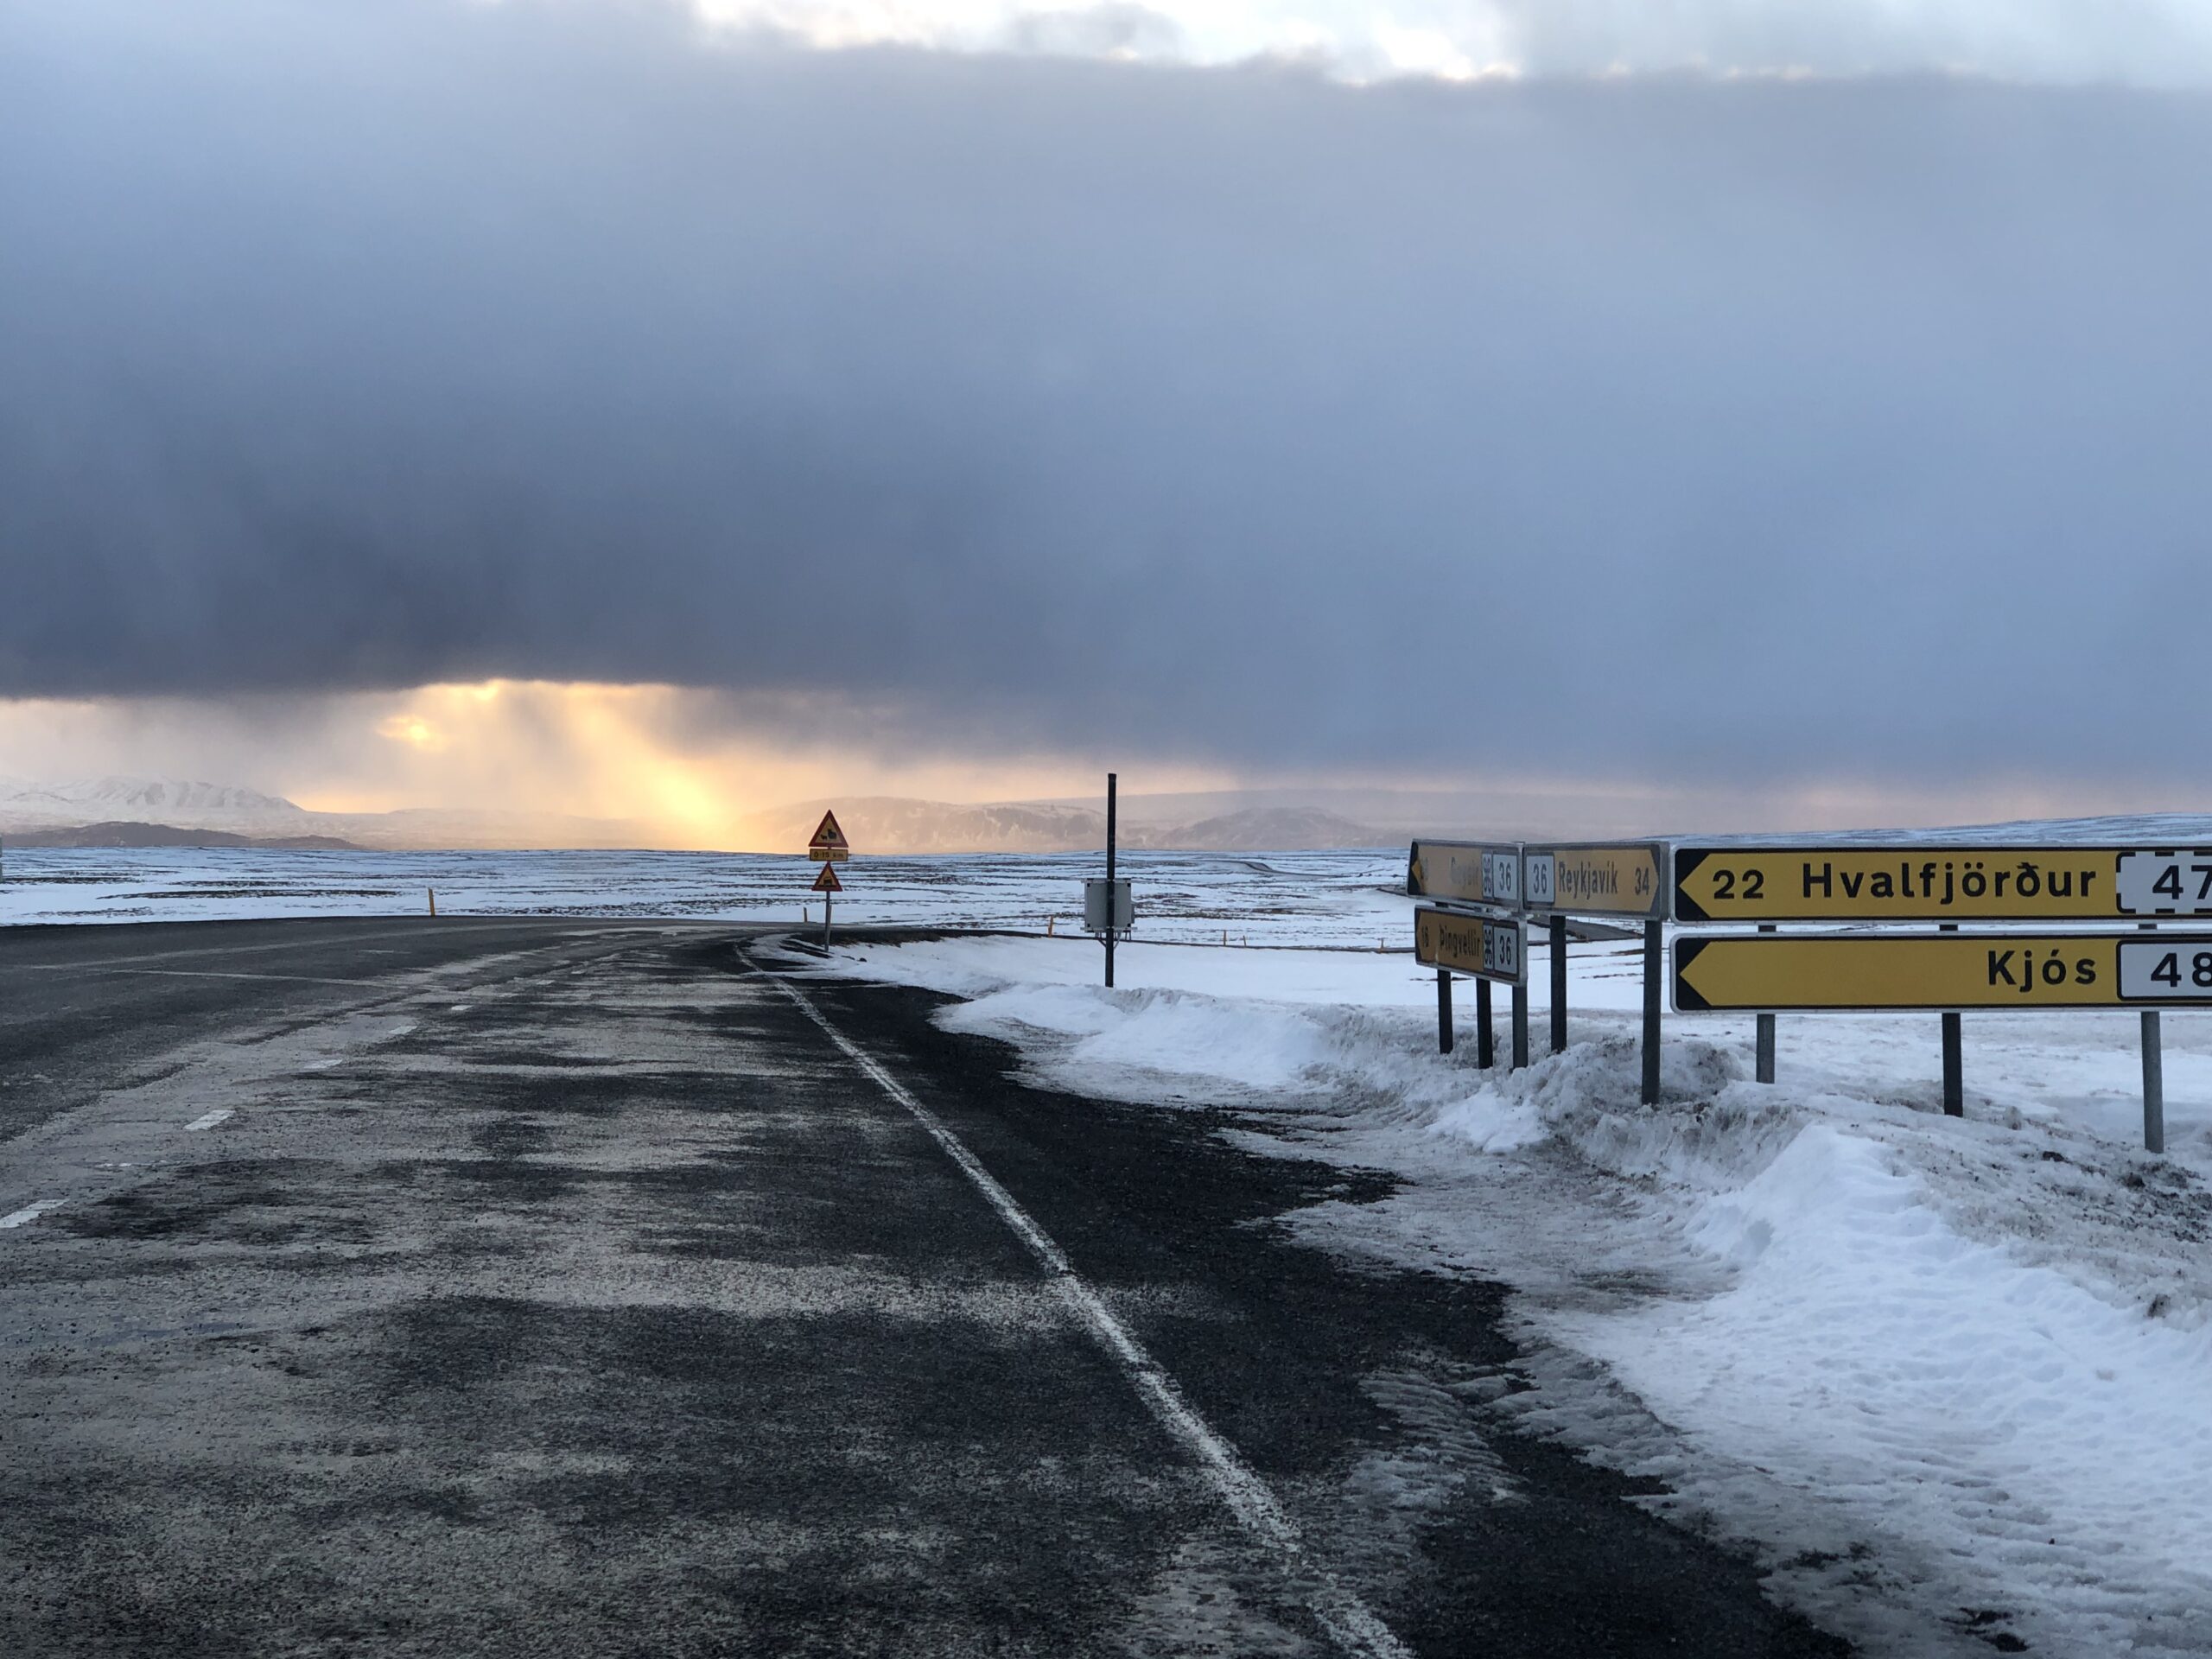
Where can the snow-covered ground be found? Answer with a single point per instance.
(1951, 1379)
(1342, 899)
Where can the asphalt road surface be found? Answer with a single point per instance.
(553, 1287)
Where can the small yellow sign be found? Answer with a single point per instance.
(1465, 872)
(1769, 973)
(828, 881)
(1481, 945)
(829, 845)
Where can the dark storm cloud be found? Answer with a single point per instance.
(1755, 427)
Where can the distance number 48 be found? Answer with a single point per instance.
(2168, 972)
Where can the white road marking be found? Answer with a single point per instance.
(30, 1212)
(212, 973)
(210, 1120)
(1351, 1622)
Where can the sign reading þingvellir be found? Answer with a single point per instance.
(1939, 884)
(1772, 972)
(1482, 945)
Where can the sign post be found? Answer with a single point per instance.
(826, 884)
(1931, 881)
(1902, 972)
(827, 848)
(1444, 1010)
(1595, 879)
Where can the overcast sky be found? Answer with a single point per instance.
(1265, 418)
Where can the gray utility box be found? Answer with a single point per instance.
(1097, 894)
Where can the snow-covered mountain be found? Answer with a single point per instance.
(885, 824)
(165, 797)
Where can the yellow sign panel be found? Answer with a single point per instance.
(1480, 945)
(1595, 880)
(1465, 872)
(1939, 884)
(1781, 972)
(829, 845)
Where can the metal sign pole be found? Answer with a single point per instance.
(1766, 1060)
(1954, 1066)
(2154, 1077)
(1653, 949)
(2154, 1086)
(1521, 1025)
(828, 898)
(1559, 984)
(1443, 1011)
(1485, 1040)
(1112, 779)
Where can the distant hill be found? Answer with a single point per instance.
(125, 812)
(120, 834)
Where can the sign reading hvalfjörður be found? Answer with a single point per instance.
(1766, 972)
(1466, 873)
(1935, 883)
(1485, 946)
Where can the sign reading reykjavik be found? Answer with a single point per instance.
(1770, 972)
(1932, 883)
(1595, 880)
(1481, 945)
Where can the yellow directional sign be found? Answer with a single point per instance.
(1465, 872)
(1781, 972)
(1939, 884)
(828, 881)
(1595, 880)
(1481, 945)
(829, 844)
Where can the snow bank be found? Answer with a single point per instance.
(1948, 1377)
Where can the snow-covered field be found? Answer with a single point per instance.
(1951, 1379)
(1316, 898)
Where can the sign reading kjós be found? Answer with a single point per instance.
(1466, 873)
(1481, 945)
(1782, 972)
(829, 844)
(1595, 880)
(1933, 883)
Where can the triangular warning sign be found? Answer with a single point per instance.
(827, 834)
(828, 881)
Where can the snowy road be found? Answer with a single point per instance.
(567, 1288)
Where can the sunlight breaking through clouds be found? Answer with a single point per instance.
(2151, 42)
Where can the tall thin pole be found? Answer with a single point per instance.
(1764, 1058)
(1559, 984)
(826, 899)
(1112, 784)
(1954, 1069)
(2154, 1078)
(1653, 952)
(1443, 1011)
(1485, 1039)
(1521, 1021)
